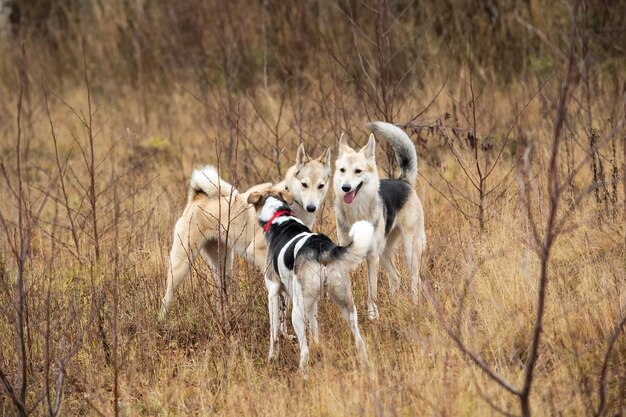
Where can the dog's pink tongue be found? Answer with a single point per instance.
(348, 197)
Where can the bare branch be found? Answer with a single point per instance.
(474, 358)
(617, 330)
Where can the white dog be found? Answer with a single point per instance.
(302, 264)
(391, 205)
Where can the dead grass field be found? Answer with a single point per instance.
(93, 282)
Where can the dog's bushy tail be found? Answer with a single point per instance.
(206, 180)
(362, 235)
(402, 147)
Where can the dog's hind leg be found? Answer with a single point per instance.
(285, 305)
(232, 285)
(340, 291)
(185, 248)
(273, 300)
(227, 260)
(212, 259)
(299, 319)
(413, 248)
(387, 259)
(314, 289)
(220, 261)
(372, 286)
(312, 316)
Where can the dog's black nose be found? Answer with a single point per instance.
(346, 188)
(311, 208)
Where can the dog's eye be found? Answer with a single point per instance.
(358, 171)
(305, 185)
(321, 186)
(342, 169)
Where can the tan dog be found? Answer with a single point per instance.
(308, 181)
(391, 205)
(219, 223)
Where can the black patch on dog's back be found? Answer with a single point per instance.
(394, 193)
(289, 257)
(318, 247)
(279, 236)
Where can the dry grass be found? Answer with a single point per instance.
(184, 366)
(145, 145)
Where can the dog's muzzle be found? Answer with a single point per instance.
(349, 196)
(311, 208)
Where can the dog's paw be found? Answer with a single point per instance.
(364, 364)
(416, 293)
(272, 358)
(372, 312)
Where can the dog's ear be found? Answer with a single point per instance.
(286, 196)
(369, 150)
(325, 158)
(254, 198)
(343, 144)
(301, 156)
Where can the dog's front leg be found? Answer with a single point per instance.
(342, 232)
(372, 285)
(257, 253)
(273, 306)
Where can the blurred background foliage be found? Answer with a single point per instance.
(246, 43)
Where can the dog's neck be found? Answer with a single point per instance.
(307, 218)
(277, 214)
(280, 215)
(270, 205)
(301, 213)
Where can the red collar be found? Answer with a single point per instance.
(278, 213)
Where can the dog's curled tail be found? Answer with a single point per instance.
(362, 235)
(207, 181)
(406, 155)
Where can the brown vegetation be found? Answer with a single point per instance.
(518, 113)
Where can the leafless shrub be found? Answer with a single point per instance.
(477, 155)
(542, 243)
(22, 231)
(264, 76)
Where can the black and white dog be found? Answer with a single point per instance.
(302, 263)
